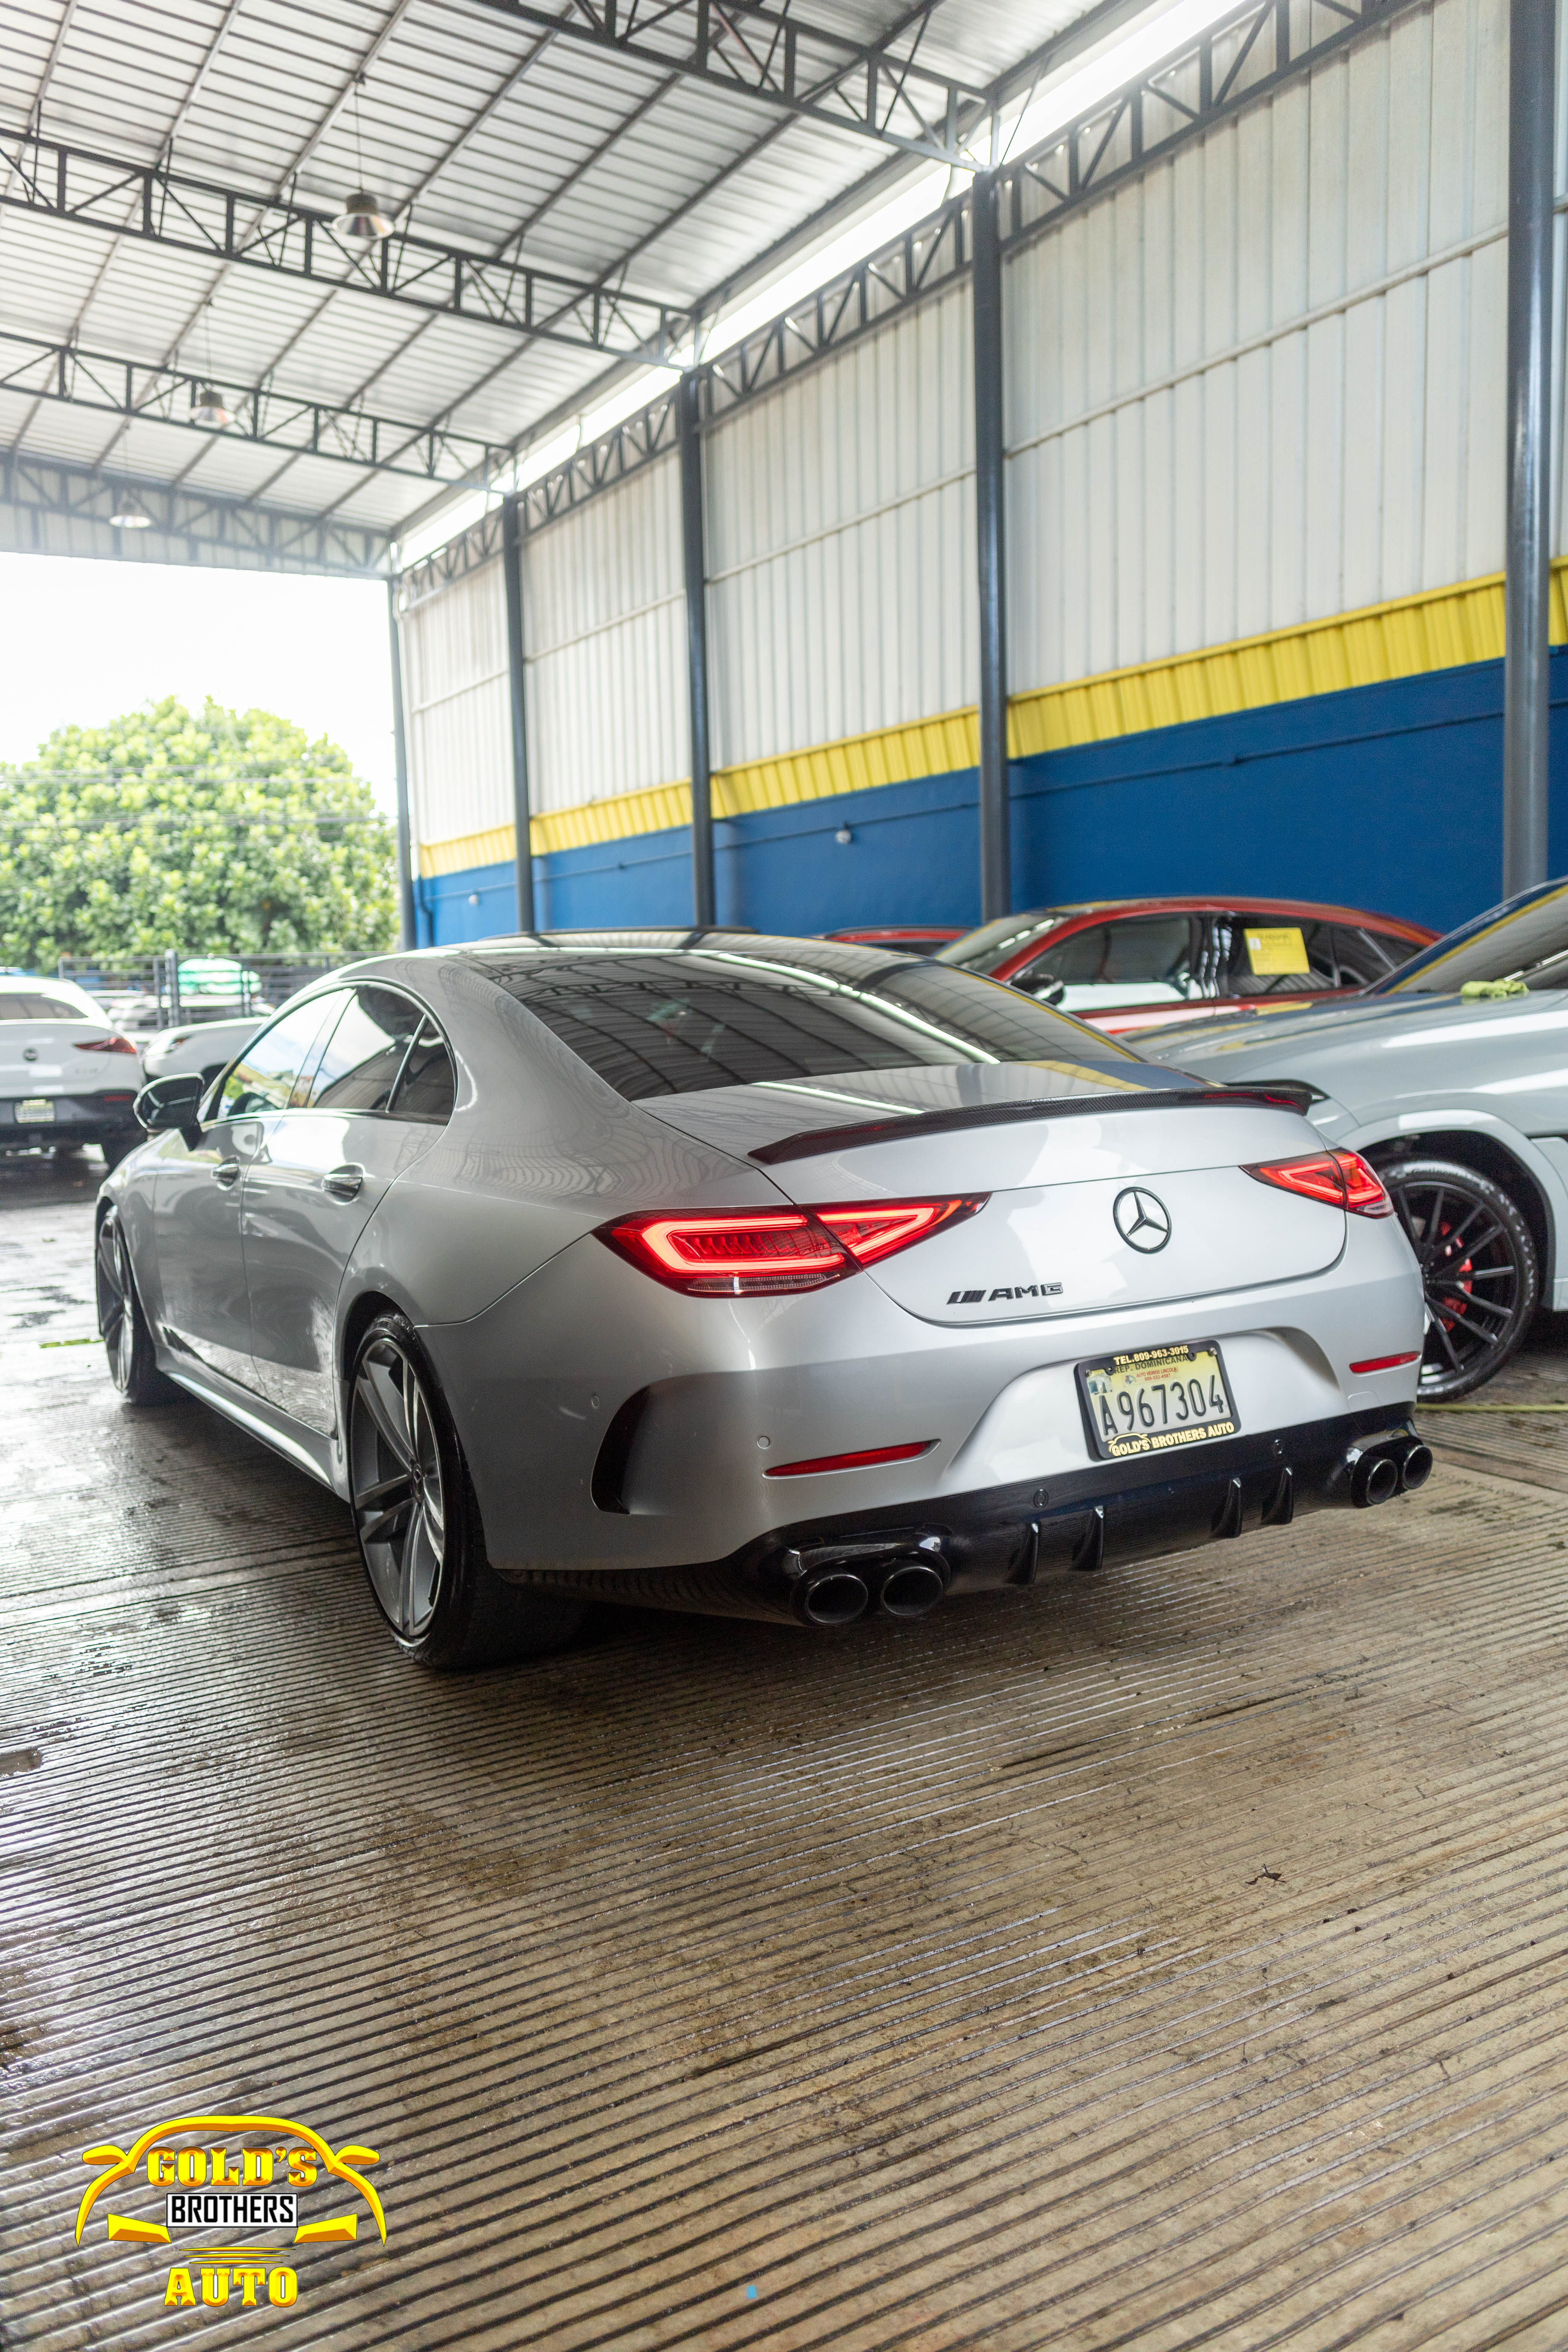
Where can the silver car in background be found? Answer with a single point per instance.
(1451, 1077)
(769, 1276)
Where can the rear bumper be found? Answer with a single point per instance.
(1012, 1535)
(79, 1119)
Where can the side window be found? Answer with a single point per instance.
(428, 1087)
(268, 1072)
(1146, 959)
(365, 1051)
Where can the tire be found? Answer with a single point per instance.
(417, 1520)
(1479, 1267)
(132, 1365)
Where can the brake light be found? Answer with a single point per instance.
(752, 1252)
(1341, 1179)
(114, 1044)
(869, 1234)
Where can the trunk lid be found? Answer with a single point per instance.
(1098, 1199)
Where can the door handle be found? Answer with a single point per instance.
(344, 1182)
(226, 1172)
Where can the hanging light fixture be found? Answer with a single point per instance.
(207, 407)
(364, 219)
(129, 514)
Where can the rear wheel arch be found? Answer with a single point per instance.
(1489, 1158)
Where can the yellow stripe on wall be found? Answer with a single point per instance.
(1441, 628)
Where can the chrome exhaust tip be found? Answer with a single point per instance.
(909, 1588)
(835, 1597)
(1415, 1468)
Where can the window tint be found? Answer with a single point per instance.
(1145, 960)
(38, 1008)
(428, 1087)
(679, 1024)
(364, 1053)
(1389, 950)
(268, 1072)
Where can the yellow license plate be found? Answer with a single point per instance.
(35, 1110)
(1155, 1400)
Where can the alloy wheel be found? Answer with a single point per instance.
(399, 1499)
(1473, 1252)
(116, 1302)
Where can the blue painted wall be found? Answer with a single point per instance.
(1384, 796)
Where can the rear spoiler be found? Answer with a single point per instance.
(811, 1140)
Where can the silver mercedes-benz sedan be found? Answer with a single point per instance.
(769, 1276)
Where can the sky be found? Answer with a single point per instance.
(82, 641)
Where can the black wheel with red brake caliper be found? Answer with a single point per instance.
(1477, 1264)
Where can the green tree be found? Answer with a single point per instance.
(221, 832)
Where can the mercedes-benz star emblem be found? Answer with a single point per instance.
(1143, 1219)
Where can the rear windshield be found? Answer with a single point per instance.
(1527, 943)
(996, 943)
(38, 1008)
(680, 1024)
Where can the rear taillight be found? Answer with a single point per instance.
(749, 1253)
(1341, 1179)
(115, 1045)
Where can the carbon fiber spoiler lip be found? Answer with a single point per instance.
(812, 1140)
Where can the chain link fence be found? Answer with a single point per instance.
(172, 990)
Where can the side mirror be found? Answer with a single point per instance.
(1047, 990)
(171, 1102)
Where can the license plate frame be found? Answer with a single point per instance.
(36, 1110)
(1102, 1379)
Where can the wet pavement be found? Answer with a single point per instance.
(1166, 1958)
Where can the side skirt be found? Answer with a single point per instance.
(301, 1447)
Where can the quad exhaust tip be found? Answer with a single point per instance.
(1377, 1477)
(905, 1582)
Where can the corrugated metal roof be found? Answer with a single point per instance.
(501, 138)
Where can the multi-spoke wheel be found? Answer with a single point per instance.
(132, 1364)
(418, 1521)
(398, 1495)
(1479, 1266)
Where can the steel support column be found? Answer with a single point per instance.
(694, 560)
(521, 811)
(1531, 89)
(996, 835)
(407, 924)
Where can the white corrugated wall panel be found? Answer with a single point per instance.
(458, 709)
(605, 630)
(841, 543)
(1259, 387)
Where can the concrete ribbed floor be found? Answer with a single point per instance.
(1169, 1959)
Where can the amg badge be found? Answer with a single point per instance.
(1018, 1290)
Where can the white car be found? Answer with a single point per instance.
(201, 1048)
(68, 1076)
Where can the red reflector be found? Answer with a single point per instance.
(115, 1045)
(749, 1253)
(865, 1461)
(1388, 1363)
(1341, 1178)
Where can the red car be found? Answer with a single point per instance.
(1127, 964)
